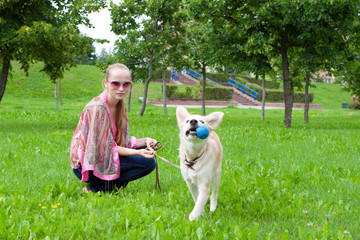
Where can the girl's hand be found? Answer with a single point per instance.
(147, 153)
(149, 142)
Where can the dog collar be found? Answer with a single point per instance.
(191, 163)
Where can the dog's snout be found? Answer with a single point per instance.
(193, 122)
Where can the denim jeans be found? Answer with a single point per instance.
(131, 168)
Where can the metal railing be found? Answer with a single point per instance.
(197, 75)
(190, 73)
(243, 88)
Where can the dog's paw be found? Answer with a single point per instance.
(194, 216)
(213, 206)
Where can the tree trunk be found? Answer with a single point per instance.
(147, 82)
(55, 94)
(203, 89)
(288, 96)
(263, 98)
(164, 88)
(4, 76)
(307, 102)
(60, 97)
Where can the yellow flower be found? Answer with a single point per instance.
(39, 204)
(54, 206)
(58, 204)
(43, 207)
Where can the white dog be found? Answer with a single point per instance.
(200, 159)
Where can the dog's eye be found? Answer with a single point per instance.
(201, 121)
(187, 121)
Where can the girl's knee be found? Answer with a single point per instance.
(152, 164)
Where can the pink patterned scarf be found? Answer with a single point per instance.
(93, 145)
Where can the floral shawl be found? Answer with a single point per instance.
(93, 146)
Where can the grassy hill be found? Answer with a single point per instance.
(84, 82)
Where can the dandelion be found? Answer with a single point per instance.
(346, 232)
(58, 204)
(309, 224)
(39, 204)
(43, 207)
(305, 212)
(54, 206)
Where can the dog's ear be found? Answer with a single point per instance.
(213, 120)
(181, 114)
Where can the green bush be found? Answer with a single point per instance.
(218, 93)
(273, 95)
(278, 95)
(170, 90)
(246, 79)
(218, 77)
(188, 91)
(241, 80)
(355, 103)
(211, 93)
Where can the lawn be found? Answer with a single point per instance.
(277, 183)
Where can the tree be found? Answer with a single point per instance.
(281, 25)
(43, 30)
(351, 77)
(202, 48)
(145, 21)
(325, 45)
(173, 49)
(89, 58)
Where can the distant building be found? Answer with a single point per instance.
(323, 76)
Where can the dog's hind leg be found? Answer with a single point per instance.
(204, 190)
(215, 187)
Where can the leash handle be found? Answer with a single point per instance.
(156, 147)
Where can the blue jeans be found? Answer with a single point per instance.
(131, 168)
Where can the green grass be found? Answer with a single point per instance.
(270, 176)
(330, 96)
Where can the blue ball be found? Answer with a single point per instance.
(202, 132)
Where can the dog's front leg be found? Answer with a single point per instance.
(193, 190)
(204, 190)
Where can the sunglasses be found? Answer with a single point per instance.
(125, 85)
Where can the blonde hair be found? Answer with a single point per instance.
(118, 66)
(120, 119)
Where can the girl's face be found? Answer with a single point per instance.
(118, 84)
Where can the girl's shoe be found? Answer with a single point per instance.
(85, 190)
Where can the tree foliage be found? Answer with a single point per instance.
(43, 30)
(280, 28)
(149, 27)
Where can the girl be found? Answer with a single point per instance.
(102, 153)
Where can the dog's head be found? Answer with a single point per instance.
(188, 122)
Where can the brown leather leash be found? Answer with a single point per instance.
(156, 147)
